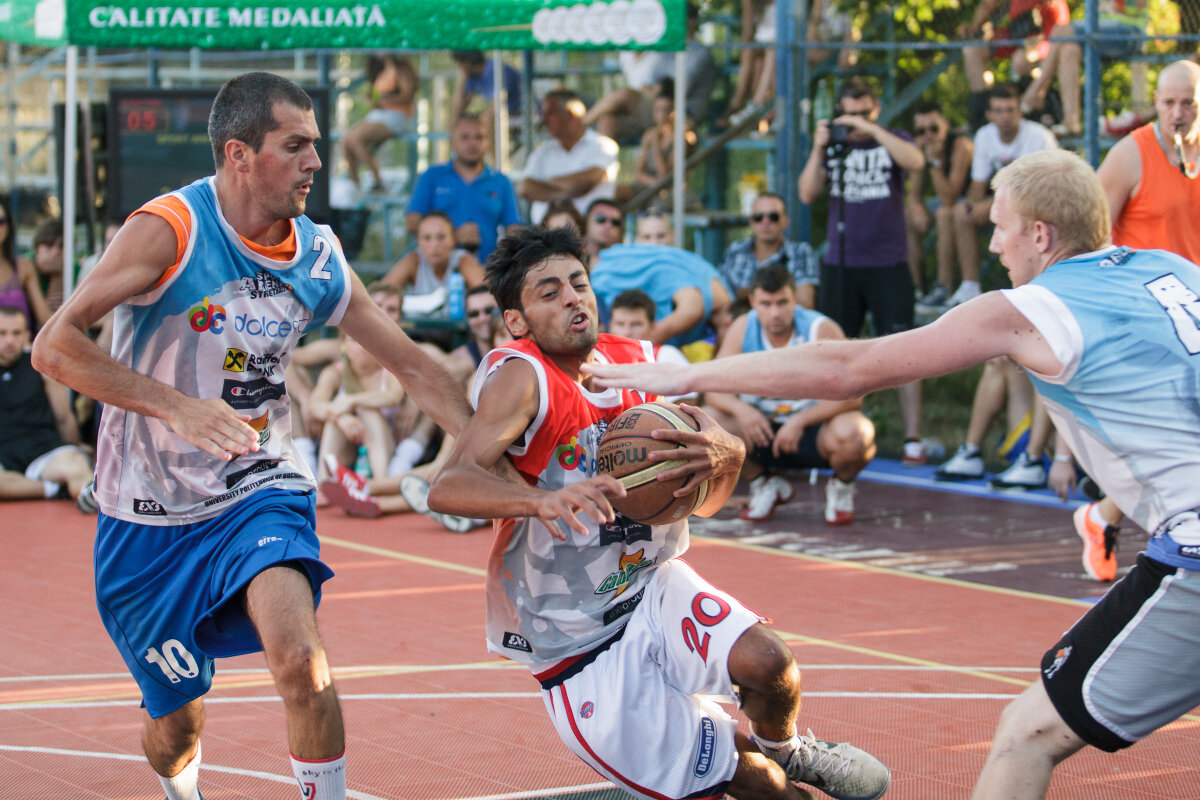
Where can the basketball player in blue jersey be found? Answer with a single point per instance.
(205, 546)
(1111, 338)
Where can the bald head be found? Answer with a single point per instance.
(1176, 99)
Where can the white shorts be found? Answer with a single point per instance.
(38, 466)
(636, 713)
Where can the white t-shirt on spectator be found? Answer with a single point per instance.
(992, 153)
(551, 160)
(645, 68)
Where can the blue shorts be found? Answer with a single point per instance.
(170, 596)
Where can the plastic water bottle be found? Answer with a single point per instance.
(362, 465)
(456, 299)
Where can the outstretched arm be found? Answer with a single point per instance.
(970, 334)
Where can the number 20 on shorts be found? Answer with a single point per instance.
(702, 604)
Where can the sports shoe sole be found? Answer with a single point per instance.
(340, 496)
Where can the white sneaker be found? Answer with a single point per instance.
(839, 769)
(967, 290)
(1025, 473)
(415, 492)
(766, 492)
(839, 501)
(965, 465)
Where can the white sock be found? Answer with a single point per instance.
(1097, 517)
(405, 458)
(185, 785)
(323, 780)
(50, 489)
(776, 749)
(971, 449)
(970, 285)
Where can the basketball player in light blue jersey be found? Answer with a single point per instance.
(205, 546)
(1111, 337)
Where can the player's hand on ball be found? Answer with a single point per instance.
(589, 496)
(214, 427)
(706, 453)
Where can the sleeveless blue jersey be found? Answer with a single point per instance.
(804, 329)
(223, 324)
(1126, 326)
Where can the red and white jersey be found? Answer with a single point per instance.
(548, 599)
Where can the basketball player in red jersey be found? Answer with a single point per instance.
(626, 640)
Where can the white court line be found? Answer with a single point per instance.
(432, 696)
(86, 676)
(250, 773)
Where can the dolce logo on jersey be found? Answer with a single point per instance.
(242, 395)
(241, 361)
(270, 328)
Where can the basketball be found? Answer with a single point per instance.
(624, 452)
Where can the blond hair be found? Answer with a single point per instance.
(1060, 189)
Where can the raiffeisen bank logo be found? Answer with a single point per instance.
(207, 317)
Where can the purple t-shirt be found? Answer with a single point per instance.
(874, 201)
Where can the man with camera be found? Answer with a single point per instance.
(865, 267)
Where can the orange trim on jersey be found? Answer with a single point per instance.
(284, 251)
(177, 215)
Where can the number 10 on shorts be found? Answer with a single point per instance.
(708, 610)
(175, 661)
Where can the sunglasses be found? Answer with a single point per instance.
(928, 129)
(481, 312)
(774, 216)
(600, 219)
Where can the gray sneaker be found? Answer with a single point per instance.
(1025, 473)
(415, 492)
(841, 770)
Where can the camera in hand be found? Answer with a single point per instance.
(838, 134)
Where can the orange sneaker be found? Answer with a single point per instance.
(1099, 544)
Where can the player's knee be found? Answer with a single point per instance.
(301, 670)
(760, 661)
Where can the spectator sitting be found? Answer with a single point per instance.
(656, 155)
(1002, 385)
(767, 245)
(998, 20)
(603, 225)
(790, 434)
(481, 311)
(688, 292)
(563, 213)
(475, 87)
(654, 227)
(19, 286)
(948, 165)
(576, 163)
(428, 267)
(632, 316)
(626, 113)
(48, 259)
(1005, 138)
(478, 199)
(393, 84)
(39, 450)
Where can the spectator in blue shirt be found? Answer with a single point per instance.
(478, 199)
(766, 246)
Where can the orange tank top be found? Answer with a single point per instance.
(1161, 213)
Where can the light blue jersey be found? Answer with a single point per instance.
(1125, 325)
(804, 329)
(222, 324)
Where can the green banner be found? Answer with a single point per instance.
(389, 24)
(38, 22)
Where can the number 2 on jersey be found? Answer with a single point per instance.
(698, 642)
